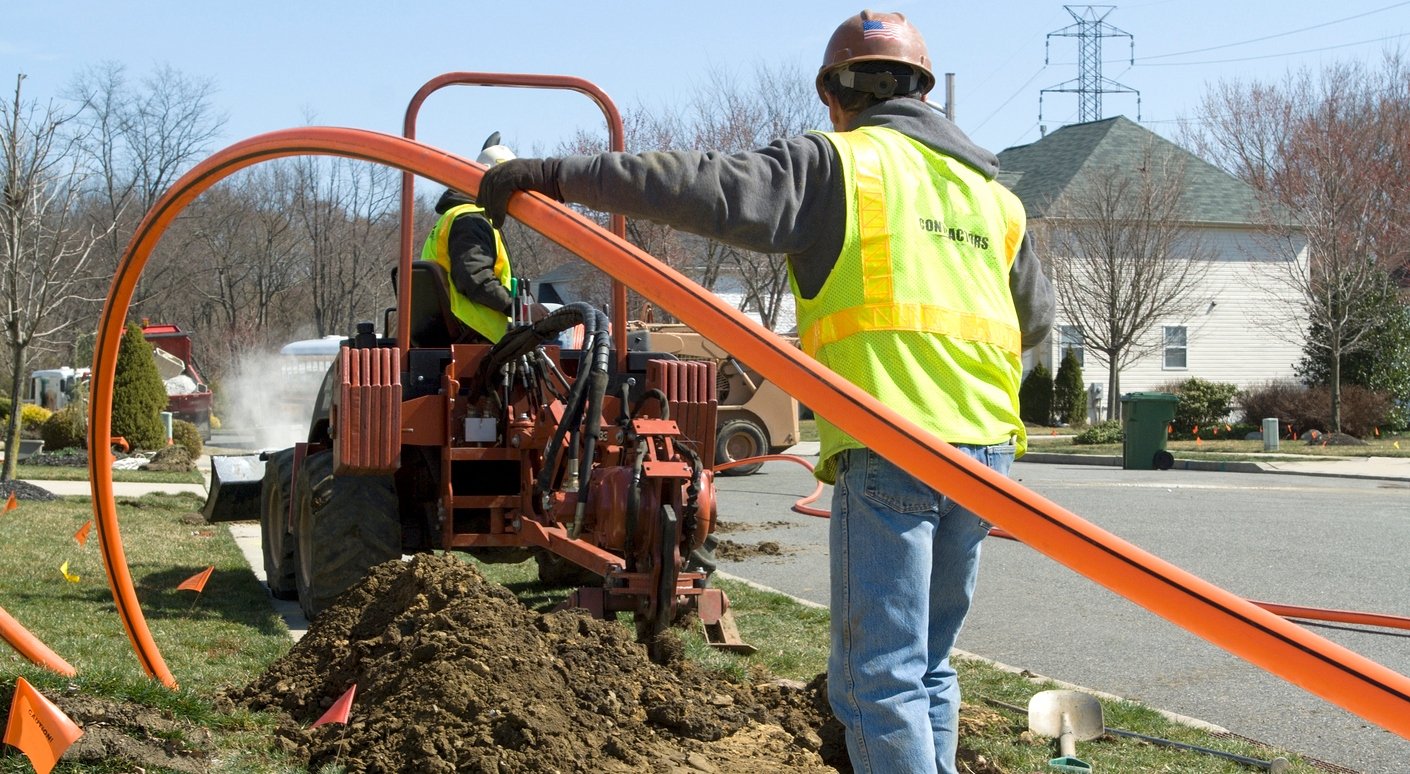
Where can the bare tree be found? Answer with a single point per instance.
(44, 249)
(1329, 154)
(139, 137)
(348, 214)
(1124, 258)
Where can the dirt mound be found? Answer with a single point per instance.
(172, 458)
(454, 674)
(738, 552)
(23, 490)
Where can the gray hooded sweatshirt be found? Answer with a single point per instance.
(786, 198)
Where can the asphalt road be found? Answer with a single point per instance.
(1324, 542)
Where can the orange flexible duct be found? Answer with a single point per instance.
(1320, 666)
(30, 647)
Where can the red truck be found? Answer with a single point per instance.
(188, 398)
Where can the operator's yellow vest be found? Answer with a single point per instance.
(917, 312)
(490, 323)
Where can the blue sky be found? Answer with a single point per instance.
(357, 64)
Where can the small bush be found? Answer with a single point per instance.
(5, 406)
(1202, 403)
(1310, 408)
(66, 429)
(139, 397)
(32, 418)
(185, 434)
(1069, 396)
(1035, 396)
(1102, 432)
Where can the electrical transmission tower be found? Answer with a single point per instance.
(1089, 85)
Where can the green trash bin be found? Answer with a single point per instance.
(1145, 420)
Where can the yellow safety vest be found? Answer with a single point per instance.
(490, 323)
(917, 311)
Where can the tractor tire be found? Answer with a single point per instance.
(276, 537)
(740, 439)
(345, 526)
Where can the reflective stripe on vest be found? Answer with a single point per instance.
(490, 323)
(917, 311)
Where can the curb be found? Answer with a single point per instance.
(1217, 466)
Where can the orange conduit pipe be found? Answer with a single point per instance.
(802, 505)
(1335, 673)
(1382, 620)
(30, 647)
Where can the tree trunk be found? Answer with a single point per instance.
(1335, 424)
(12, 427)
(1113, 387)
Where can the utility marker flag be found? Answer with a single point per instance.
(38, 728)
(197, 582)
(11, 503)
(68, 576)
(338, 713)
(82, 534)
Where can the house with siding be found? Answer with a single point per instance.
(1244, 327)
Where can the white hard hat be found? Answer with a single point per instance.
(493, 153)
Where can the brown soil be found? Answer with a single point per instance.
(736, 552)
(454, 674)
(172, 458)
(119, 733)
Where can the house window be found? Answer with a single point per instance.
(1070, 337)
(1176, 347)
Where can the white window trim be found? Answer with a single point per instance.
(1165, 348)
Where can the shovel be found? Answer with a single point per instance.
(1070, 717)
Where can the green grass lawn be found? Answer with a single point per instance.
(230, 634)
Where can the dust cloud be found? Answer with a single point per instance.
(271, 397)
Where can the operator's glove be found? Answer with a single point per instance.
(506, 177)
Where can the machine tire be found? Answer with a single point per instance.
(740, 439)
(276, 490)
(345, 526)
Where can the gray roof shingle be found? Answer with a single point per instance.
(1040, 172)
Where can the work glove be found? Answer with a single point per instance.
(506, 177)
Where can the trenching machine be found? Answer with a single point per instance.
(596, 461)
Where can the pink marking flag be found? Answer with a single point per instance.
(197, 582)
(338, 713)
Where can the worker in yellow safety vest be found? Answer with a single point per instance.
(915, 280)
(470, 249)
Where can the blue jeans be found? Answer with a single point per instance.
(904, 559)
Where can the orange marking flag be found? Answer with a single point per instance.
(38, 728)
(338, 713)
(82, 534)
(197, 582)
(11, 503)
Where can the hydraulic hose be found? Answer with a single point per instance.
(1337, 674)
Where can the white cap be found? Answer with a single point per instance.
(494, 154)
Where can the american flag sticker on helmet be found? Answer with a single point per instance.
(872, 28)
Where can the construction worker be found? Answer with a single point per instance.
(913, 279)
(471, 251)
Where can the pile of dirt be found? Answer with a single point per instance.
(738, 552)
(23, 490)
(453, 673)
(174, 459)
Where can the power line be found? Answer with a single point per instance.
(1270, 37)
(1011, 98)
(1274, 56)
